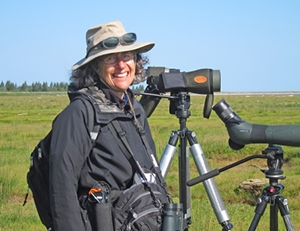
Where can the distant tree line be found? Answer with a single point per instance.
(34, 87)
(43, 87)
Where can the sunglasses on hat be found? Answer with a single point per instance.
(113, 42)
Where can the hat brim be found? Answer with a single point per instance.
(139, 47)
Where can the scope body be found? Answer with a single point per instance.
(162, 80)
(242, 132)
(201, 81)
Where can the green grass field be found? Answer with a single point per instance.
(25, 118)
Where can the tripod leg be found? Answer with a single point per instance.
(184, 191)
(168, 154)
(273, 215)
(285, 213)
(259, 211)
(184, 173)
(210, 185)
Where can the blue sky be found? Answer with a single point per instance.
(255, 44)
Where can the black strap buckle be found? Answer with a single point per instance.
(122, 134)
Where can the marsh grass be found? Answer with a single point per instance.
(25, 118)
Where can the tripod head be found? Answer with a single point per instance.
(180, 104)
(161, 80)
(275, 162)
(273, 154)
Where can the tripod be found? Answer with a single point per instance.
(179, 106)
(271, 194)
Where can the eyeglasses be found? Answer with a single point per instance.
(112, 42)
(113, 58)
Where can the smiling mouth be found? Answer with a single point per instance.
(121, 75)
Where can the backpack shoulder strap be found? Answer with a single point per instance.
(120, 137)
(94, 128)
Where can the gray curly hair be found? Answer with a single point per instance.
(86, 75)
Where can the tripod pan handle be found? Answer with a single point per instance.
(203, 177)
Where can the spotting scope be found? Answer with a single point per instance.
(242, 132)
(202, 81)
(163, 80)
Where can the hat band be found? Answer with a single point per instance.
(113, 42)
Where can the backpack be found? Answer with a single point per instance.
(38, 174)
(141, 207)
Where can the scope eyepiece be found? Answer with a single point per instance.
(224, 111)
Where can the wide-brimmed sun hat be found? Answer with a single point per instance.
(110, 38)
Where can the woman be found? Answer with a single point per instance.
(112, 63)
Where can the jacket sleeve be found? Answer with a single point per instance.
(70, 146)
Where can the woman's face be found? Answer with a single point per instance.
(117, 71)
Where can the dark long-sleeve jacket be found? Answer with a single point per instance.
(74, 168)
